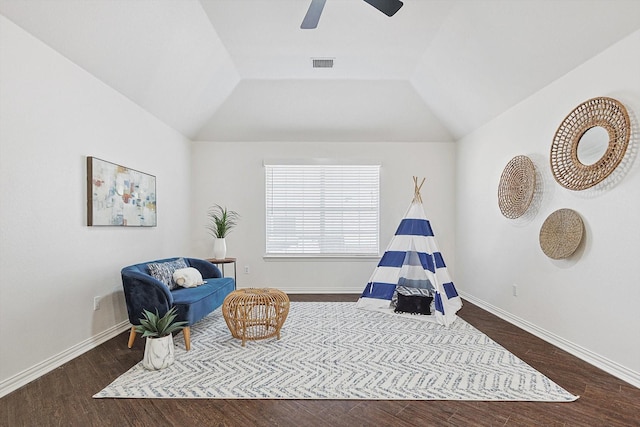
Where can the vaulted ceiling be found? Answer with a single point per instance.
(241, 70)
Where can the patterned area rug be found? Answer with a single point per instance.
(335, 351)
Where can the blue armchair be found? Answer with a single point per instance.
(143, 291)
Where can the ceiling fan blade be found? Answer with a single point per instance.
(388, 7)
(312, 17)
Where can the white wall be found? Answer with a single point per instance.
(52, 115)
(232, 175)
(589, 302)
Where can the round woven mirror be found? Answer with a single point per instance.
(593, 145)
(516, 188)
(605, 118)
(561, 233)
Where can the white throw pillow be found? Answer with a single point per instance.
(187, 277)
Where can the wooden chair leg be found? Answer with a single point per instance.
(186, 332)
(132, 336)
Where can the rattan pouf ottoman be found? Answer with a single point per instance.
(255, 314)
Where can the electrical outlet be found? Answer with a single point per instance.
(96, 303)
(246, 269)
(515, 290)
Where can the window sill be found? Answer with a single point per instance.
(317, 257)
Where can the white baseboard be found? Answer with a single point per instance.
(580, 352)
(15, 382)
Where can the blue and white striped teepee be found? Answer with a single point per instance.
(413, 260)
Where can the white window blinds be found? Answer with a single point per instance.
(322, 209)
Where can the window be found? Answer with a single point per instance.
(326, 210)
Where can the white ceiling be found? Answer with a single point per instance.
(240, 70)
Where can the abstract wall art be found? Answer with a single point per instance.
(119, 196)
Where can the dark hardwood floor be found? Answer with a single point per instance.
(63, 397)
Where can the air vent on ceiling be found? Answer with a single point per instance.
(322, 62)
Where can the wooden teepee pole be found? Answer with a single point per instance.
(416, 190)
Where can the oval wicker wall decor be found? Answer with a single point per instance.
(516, 188)
(565, 165)
(561, 233)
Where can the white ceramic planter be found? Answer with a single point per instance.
(158, 353)
(219, 248)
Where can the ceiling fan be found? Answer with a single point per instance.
(310, 21)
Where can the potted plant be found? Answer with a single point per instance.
(158, 349)
(221, 222)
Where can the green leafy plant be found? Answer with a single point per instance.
(152, 325)
(221, 220)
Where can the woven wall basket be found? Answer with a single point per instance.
(565, 165)
(516, 188)
(561, 233)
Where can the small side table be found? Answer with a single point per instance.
(255, 314)
(222, 262)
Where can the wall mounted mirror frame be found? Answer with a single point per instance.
(573, 166)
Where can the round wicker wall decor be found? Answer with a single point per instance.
(516, 188)
(561, 233)
(565, 165)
